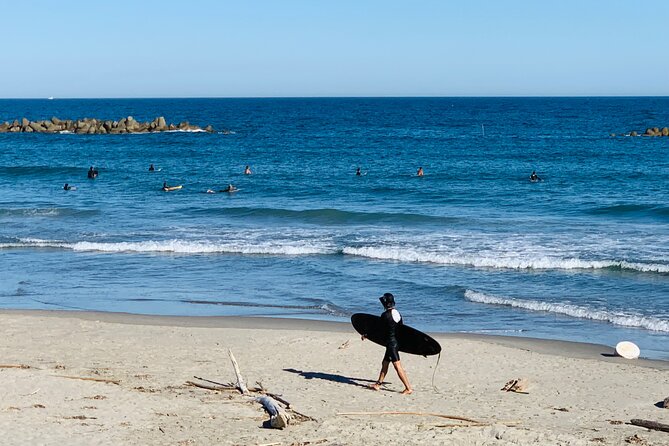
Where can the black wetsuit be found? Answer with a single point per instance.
(390, 325)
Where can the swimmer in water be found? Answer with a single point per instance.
(419, 172)
(534, 177)
(247, 170)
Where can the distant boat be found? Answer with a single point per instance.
(50, 98)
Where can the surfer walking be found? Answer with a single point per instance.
(390, 319)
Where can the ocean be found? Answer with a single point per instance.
(472, 246)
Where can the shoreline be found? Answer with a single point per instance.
(85, 378)
(567, 349)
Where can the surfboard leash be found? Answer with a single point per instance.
(435, 372)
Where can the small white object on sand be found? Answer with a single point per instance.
(627, 350)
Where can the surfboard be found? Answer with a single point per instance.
(409, 339)
(171, 188)
(627, 350)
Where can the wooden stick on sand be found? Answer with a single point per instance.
(240, 380)
(650, 425)
(422, 414)
(99, 380)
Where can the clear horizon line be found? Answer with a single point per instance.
(325, 97)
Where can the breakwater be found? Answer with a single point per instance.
(98, 126)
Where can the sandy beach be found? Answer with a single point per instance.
(577, 394)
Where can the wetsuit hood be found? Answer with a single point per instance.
(387, 300)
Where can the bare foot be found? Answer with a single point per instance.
(407, 391)
(375, 386)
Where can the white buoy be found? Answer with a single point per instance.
(627, 350)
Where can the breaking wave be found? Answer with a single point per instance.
(616, 318)
(492, 261)
(173, 246)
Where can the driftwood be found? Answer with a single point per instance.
(240, 380)
(516, 385)
(212, 387)
(422, 414)
(278, 417)
(650, 425)
(14, 366)
(99, 380)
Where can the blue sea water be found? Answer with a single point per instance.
(472, 246)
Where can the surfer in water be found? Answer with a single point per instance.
(151, 168)
(357, 172)
(67, 187)
(92, 173)
(419, 172)
(390, 319)
(230, 188)
(534, 177)
(247, 170)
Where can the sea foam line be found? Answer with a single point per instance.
(411, 255)
(171, 246)
(622, 319)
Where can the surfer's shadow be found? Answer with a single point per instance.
(332, 377)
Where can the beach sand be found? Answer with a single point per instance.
(576, 394)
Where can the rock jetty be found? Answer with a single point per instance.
(650, 131)
(98, 126)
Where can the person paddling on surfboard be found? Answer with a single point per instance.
(390, 319)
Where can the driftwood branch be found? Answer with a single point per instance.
(516, 385)
(650, 425)
(14, 366)
(422, 414)
(212, 387)
(215, 382)
(99, 380)
(240, 380)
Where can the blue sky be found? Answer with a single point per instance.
(334, 48)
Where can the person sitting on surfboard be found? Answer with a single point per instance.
(390, 319)
(92, 173)
(357, 172)
(247, 170)
(165, 186)
(230, 188)
(151, 168)
(67, 187)
(534, 177)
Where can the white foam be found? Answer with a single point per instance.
(174, 246)
(616, 318)
(494, 260)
